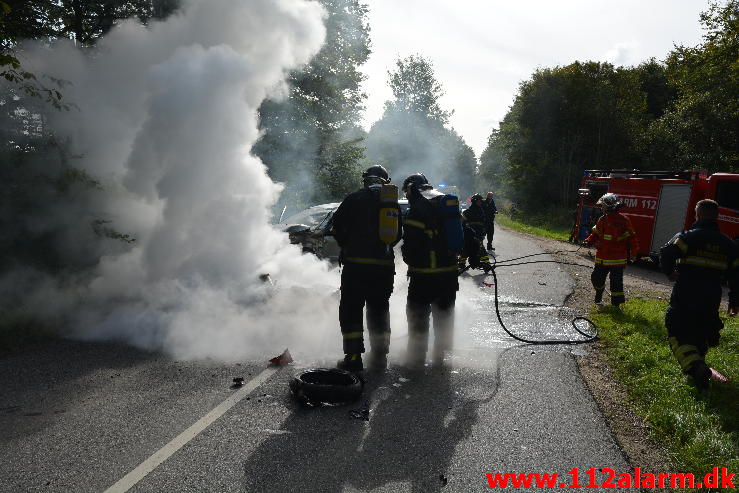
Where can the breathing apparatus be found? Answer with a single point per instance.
(388, 227)
(376, 179)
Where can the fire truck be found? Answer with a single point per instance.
(658, 203)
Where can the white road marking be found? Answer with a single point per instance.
(133, 477)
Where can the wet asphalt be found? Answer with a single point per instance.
(79, 416)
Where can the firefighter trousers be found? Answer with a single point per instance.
(691, 331)
(370, 286)
(598, 278)
(489, 233)
(430, 295)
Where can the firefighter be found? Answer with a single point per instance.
(490, 212)
(474, 236)
(432, 269)
(697, 260)
(615, 239)
(367, 274)
(473, 252)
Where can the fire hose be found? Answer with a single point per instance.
(507, 263)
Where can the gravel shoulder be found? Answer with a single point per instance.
(642, 280)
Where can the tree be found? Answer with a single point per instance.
(699, 129)
(416, 90)
(312, 140)
(37, 168)
(411, 136)
(493, 162)
(563, 120)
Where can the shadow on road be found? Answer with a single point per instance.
(43, 382)
(414, 426)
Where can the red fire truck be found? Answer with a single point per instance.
(659, 203)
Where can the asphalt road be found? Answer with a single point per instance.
(81, 417)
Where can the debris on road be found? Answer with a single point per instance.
(282, 360)
(237, 382)
(443, 479)
(361, 413)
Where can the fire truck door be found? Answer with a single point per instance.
(673, 205)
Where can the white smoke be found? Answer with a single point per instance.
(167, 116)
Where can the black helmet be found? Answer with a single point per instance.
(417, 181)
(476, 197)
(377, 171)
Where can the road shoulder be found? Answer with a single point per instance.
(630, 430)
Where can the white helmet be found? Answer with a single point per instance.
(610, 202)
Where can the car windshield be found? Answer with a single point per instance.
(311, 216)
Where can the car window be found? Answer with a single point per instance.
(310, 217)
(727, 194)
(325, 223)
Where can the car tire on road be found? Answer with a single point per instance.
(326, 386)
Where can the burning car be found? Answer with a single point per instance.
(311, 229)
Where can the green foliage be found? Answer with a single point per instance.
(701, 428)
(548, 226)
(37, 169)
(493, 162)
(85, 21)
(699, 130)
(564, 120)
(312, 140)
(682, 114)
(416, 90)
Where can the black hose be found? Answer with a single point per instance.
(588, 337)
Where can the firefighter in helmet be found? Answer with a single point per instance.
(432, 269)
(368, 271)
(697, 260)
(474, 236)
(615, 239)
(490, 212)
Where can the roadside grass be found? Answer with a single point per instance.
(540, 226)
(700, 428)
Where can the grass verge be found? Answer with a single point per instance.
(700, 428)
(539, 227)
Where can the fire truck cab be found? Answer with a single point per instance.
(658, 203)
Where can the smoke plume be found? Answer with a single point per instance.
(165, 119)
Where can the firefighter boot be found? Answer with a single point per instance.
(417, 346)
(701, 374)
(351, 362)
(598, 296)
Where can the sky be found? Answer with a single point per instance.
(482, 49)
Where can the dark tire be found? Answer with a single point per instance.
(331, 386)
